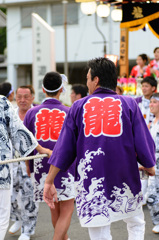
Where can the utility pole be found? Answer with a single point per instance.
(65, 37)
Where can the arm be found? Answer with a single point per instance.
(149, 171)
(27, 168)
(41, 150)
(50, 194)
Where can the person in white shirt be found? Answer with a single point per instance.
(149, 86)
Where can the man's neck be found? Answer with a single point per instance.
(22, 114)
(56, 97)
(156, 118)
(147, 97)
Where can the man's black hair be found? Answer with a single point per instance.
(80, 89)
(5, 88)
(30, 87)
(52, 81)
(144, 57)
(151, 80)
(105, 70)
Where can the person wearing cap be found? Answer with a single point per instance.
(45, 122)
(152, 195)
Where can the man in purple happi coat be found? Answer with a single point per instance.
(107, 135)
(45, 122)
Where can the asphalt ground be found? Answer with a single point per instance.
(44, 229)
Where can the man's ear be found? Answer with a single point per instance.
(61, 90)
(96, 80)
(43, 90)
(154, 89)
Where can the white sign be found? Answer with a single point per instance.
(43, 53)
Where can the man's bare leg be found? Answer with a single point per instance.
(63, 222)
(55, 213)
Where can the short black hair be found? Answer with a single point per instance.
(155, 49)
(151, 80)
(30, 87)
(80, 89)
(143, 56)
(52, 81)
(5, 88)
(105, 70)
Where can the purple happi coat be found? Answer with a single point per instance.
(107, 133)
(45, 122)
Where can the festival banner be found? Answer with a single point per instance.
(137, 15)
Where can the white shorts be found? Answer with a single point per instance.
(135, 227)
(62, 195)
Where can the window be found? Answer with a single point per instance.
(26, 14)
(58, 16)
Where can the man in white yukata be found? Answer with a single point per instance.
(11, 129)
(24, 210)
(107, 135)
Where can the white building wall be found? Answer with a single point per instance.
(84, 41)
(19, 41)
(142, 42)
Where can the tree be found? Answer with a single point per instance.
(3, 38)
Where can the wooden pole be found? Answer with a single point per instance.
(124, 61)
(23, 159)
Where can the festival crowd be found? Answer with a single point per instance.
(101, 154)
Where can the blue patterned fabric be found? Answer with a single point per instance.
(12, 128)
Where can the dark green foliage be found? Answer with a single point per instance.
(3, 37)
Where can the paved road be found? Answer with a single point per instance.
(44, 230)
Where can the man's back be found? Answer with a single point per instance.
(110, 134)
(45, 122)
(107, 136)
